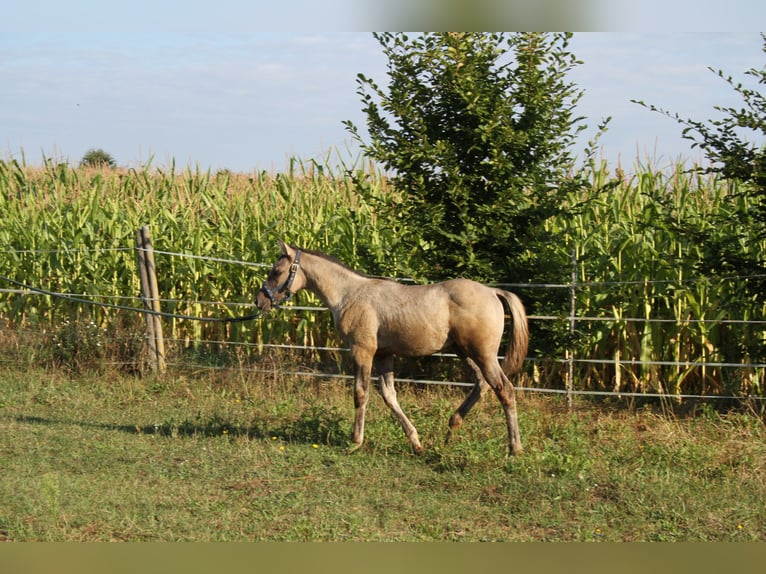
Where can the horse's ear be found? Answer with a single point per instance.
(285, 248)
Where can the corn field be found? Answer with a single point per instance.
(635, 265)
(71, 230)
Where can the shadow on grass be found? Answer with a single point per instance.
(316, 426)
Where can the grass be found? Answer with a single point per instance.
(231, 456)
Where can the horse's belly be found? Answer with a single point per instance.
(415, 341)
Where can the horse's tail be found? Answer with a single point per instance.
(519, 333)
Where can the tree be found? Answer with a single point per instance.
(725, 144)
(97, 158)
(477, 130)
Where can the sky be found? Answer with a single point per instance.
(232, 91)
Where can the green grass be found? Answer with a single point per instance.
(230, 456)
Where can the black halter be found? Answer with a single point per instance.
(287, 285)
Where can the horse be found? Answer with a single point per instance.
(378, 318)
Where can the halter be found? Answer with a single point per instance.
(285, 287)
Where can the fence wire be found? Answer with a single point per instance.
(86, 298)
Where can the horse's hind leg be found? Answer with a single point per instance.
(456, 420)
(388, 392)
(511, 417)
(503, 388)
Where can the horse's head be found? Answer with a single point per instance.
(283, 279)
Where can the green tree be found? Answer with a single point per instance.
(97, 158)
(734, 144)
(477, 130)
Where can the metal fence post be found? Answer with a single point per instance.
(572, 310)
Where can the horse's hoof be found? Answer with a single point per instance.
(353, 448)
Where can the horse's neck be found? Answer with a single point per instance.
(328, 280)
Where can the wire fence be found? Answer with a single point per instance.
(132, 303)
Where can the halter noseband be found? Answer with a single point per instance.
(287, 285)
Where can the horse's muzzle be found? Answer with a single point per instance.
(264, 302)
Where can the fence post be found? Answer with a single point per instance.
(151, 298)
(572, 310)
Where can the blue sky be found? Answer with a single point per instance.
(220, 95)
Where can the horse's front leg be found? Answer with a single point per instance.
(385, 366)
(362, 374)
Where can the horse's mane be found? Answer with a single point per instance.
(333, 259)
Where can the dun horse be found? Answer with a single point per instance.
(379, 318)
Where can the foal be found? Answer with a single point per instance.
(379, 318)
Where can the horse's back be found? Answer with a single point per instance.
(472, 297)
(446, 301)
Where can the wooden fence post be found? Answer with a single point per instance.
(151, 298)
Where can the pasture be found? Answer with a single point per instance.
(230, 456)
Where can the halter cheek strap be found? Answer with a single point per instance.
(287, 285)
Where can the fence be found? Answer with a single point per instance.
(151, 303)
